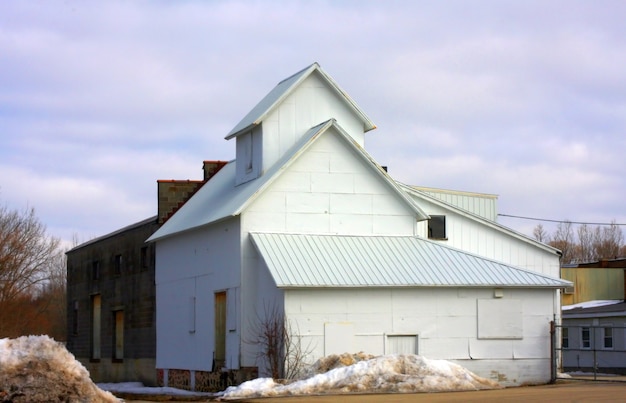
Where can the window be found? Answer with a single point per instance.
(144, 257)
(96, 304)
(437, 227)
(248, 151)
(564, 337)
(118, 334)
(95, 270)
(75, 317)
(608, 337)
(118, 264)
(585, 337)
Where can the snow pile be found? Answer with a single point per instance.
(38, 369)
(333, 361)
(591, 304)
(385, 374)
(138, 388)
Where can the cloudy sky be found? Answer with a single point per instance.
(526, 100)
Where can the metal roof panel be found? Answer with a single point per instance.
(299, 260)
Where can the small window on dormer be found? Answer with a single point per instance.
(247, 143)
(437, 227)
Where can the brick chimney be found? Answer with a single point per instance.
(212, 167)
(172, 194)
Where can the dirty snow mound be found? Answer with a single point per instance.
(38, 369)
(385, 374)
(333, 361)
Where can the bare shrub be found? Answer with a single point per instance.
(279, 344)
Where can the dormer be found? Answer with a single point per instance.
(286, 113)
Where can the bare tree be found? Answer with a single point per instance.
(590, 243)
(585, 251)
(540, 234)
(27, 256)
(608, 241)
(279, 346)
(563, 240)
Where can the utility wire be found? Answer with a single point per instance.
(559, 221)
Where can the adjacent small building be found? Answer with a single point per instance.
(601, 280)
(593, 331)
(594, 337)
(111, 304)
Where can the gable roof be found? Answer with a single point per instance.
(220, 198)
(284, 89)
(416, 192)
(148, 221)
(296, 260)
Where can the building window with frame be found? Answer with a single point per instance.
(118, 264)
(437, 227)
(144, 257)
(564, 337)
(607, 336)
(585, 337)
(95, 270)
(75, 317)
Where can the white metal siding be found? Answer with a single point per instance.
(472, 236)
(314, 196)
(445, 321)
(195, 265)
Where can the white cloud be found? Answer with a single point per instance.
(525, 100)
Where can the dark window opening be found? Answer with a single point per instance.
(144, 257)
(608, 337)
(118, 264)
(95, 270)
(565, 337)
(585, 337)
(437, 227)
(75, 317)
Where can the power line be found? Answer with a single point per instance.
(559, 221)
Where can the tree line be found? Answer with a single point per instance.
(32, 277)
(584, 243)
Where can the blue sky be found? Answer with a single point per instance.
(526, 100)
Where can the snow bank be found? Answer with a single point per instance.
(385, 374)
(591, 304)
(38, 369)
(138, 388)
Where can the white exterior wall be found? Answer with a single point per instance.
(483, 205)
(471, 236)
(312, 103)
(192, 267)
(329, 190)
(446, 322)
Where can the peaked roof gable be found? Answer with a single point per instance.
(220, 198)
(417, 193)
(283, 89)
(385, 261)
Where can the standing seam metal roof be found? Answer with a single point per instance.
(297, 260)
(282, 90)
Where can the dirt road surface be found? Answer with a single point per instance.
(563, 391)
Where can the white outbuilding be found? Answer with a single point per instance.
(305, 223)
